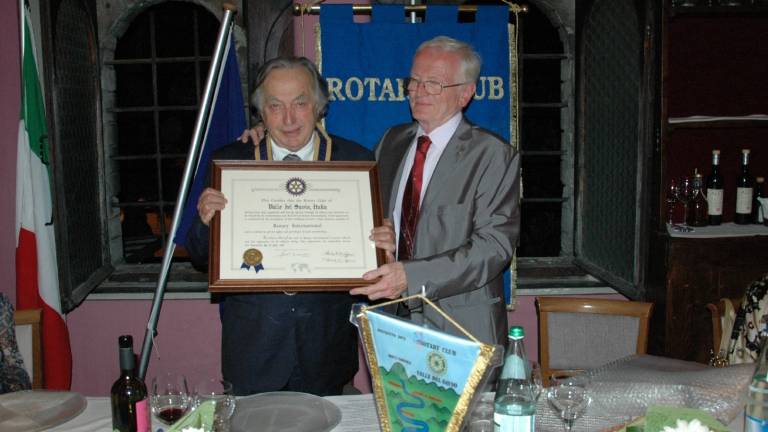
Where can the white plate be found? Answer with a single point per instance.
(35, 410)
(285, 412)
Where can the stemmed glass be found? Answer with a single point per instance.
(685, 195)
(220, 393)
(569, 397)
(170, 398)
(673, 196)
(536, 378)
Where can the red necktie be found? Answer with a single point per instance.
(409, 213)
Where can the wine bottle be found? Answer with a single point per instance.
(744, 191)
(757, 209)
(130, 406)
(697, 207)
(715, 191)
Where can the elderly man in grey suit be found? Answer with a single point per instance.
(452, 191)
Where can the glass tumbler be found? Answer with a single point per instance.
(220, 393)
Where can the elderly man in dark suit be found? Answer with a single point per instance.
(284, 341)
(452, 190)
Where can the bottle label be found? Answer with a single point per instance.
(714, 202)
(515, 368)
(744, 200)
(142, 416)
(752, 424)
(507, 423)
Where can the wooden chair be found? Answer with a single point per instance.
(28, 339)
(576, 334)
(717, 310)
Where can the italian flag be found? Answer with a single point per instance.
(37, 279)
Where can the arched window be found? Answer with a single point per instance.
(160, 64)
(546, 144)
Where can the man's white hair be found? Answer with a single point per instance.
(470, 59)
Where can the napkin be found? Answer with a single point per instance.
(658, 417)
(199, 418)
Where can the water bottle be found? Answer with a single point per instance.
(515, 401)
(756, 414)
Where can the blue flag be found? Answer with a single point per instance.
(365, 65)
(226, 123)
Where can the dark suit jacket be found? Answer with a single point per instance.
(469, 220)
(273, 341)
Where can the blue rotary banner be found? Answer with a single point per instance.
(365, 64)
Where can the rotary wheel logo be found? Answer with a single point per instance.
(437, 363)
(296, 186)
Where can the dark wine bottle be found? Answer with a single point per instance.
(757, 210)
(130, 406)
(744, 192)
(715, 186)
(697, 206)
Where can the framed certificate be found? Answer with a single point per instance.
(294, 226)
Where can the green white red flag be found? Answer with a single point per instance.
(37, 279)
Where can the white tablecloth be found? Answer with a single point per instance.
(357, 415)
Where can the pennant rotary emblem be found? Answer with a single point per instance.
(436, 362)
(252, 258)
(296, 186)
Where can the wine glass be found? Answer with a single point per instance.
(536, 378)
(220, 393)
(569, 397)
(170, 398)
(685, 195)
(673, 196)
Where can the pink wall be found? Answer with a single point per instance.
(9, 128)
(188, 342)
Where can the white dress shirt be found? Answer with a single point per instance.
(306, 153)
(439, 137)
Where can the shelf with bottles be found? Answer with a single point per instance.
(697, 200)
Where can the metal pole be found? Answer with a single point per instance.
(201, 125)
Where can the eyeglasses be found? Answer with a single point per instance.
(433, 88)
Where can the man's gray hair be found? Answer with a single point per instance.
(470, 59)
(319, 85)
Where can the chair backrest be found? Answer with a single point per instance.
(28, 339)
(717, 311)
(576, 334)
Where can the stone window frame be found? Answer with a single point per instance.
(112, 23)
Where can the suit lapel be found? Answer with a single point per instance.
(392, 165)
(445, 170)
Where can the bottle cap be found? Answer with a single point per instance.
(516, 332)
(125, 341)
(717, 152)
(745, 151)
(760, 179)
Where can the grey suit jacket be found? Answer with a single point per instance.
(468, 227)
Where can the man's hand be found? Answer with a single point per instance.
(393, 282)
(209, 203)
(255, 133)
(384, 238)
